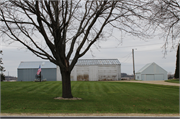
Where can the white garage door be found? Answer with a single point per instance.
(149, 77)
(159, 77)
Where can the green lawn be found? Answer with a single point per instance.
(97, 97)
(173, 81)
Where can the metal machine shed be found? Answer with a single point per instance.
(27, 70)
(84, 70)
(96, 70)
(151, 72)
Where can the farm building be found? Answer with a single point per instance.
(27, 70)
(151, 72)
(84, 70)
(96, 70)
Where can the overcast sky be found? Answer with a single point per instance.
(146, 51)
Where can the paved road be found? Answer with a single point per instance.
(90, 117)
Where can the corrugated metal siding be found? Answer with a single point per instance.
(85, 69)
(82, 73)
(49, 74)
(26, 74)
(29, 74)
(96, 73)
(93, 73)
(107, 73)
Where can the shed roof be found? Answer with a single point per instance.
(146, 66)
(35, 64)
(98, 62)
(48, 64)
(143, 68)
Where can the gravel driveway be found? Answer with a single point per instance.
(154, 82)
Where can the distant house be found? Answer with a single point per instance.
(151, 72)
(125, 76)
(84, 70)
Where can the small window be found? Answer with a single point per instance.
(137, 77)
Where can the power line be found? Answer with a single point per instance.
(130, 46)
(126, 58)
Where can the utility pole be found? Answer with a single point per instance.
(133, 63)
(8, 77)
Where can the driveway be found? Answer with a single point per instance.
(155, 82)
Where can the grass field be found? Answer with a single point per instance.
(97, 97)
(173, 81)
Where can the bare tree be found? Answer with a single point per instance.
(1, 68)
(166, 16)
(63, 31)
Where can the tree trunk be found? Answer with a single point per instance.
(176, 75)
(66, 84)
